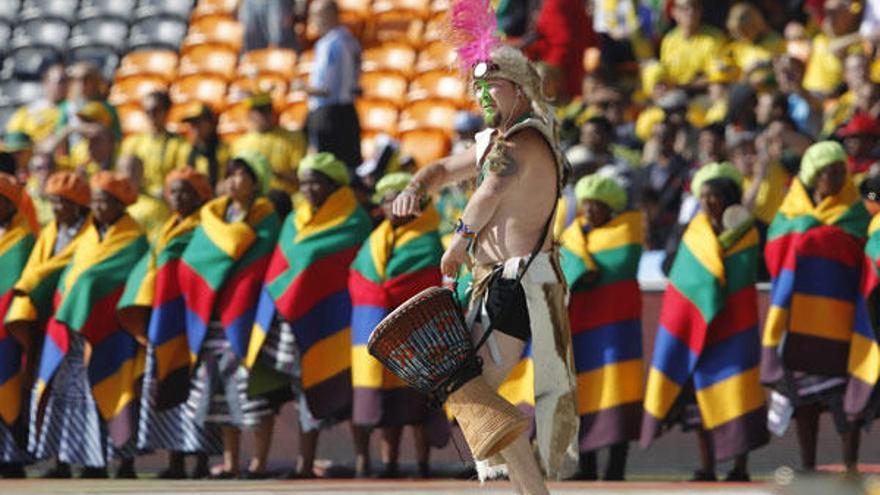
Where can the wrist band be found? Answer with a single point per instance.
(464, 230)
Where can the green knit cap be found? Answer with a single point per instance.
(717, 170)
(327, 164)
(259, 165)
(819, 156)
(601, 188)
(394, 182)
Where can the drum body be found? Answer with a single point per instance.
(426, 343)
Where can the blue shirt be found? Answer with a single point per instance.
(336, 69)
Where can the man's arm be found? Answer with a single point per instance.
(432, 178)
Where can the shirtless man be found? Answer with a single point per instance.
(518, 167)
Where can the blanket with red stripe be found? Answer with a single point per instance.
(708, 340)
(307, 285)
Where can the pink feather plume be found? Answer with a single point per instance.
(473, 29)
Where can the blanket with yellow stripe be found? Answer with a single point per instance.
(818, 321)
(88, 292)
(15, 246)
(708, 339)
(605, 311)
(392, 266)
(221, 271)
(153, 306)
(307, 285)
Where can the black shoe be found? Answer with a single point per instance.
(293, 474)
(125, 471)
(93, 473)
(223, 475)
(389, 472)
(738, 476)
(13, 471)
(255, 475)
(61, 471)
(704, 476)
(582, 475)
(200, 473)
(424, 471)
(613, 477)
(172, 474)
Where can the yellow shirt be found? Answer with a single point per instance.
(717, 112)
(283, 149)
(79, 158)
(825, 67)
(37, 120)
(685, 59)
(160, 154)
(653, 115)
(223, 156)
(151, 214)
(771, 193)
(42, 205)
(746, 55)
(840, 111)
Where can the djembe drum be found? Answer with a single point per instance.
(426, 343)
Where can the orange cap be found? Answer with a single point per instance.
(197, 180)
(69, 185)
(118, 186)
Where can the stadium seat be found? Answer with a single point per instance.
(278, 61)
(435, 29)
(205, 8)
(419, 8)
(220, 30)
(18, 92)
(119, 9)
(392, 56)
(100, 31)
(293, 117)
(233, 121)
(439, 6)
(377, 116)
(27, 62)
(161, 63)
(132, 89)
(157, 32)
(41, 32)
(9, 10)
(424, 145)
(358, 7)
(273, 84)
(209, 89)
(132, 119)
(5, 36)
(397, 25)
(439, 84)
(389, 86)
(435, 56)
(64, 10)
(355, 22)
(208, 59)
(304, 63)
(6, 112)
(179, 9)
(174, 122)
(428, 114)
(104, 57)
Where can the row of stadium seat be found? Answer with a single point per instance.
(72, 11)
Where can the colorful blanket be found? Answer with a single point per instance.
(15, 246)
(35, 289)
(605, 310)
(153, 305)
(88, 292)
(307, 285)
(221, 271)
(818, 321)
(392, 266)
(708, 341)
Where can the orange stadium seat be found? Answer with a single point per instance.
(439, 84)
(359, 7)
(434, 56)
(216, 29)
(280, 61)
(304, 63)
(392, 56)
(368, 144)
(132, 119)
(233, 121)
(273, 84)
(396, 25)
(174, 122)
(380, 85)
(208, 59)
(294, 115)
(132, 89)
(206, 88)
(162, 63)
(419, 8)
(377, 116)
(424, 145)
(435, 29)
(428, 114)
(438, 6)
(205, 8)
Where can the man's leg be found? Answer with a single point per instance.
(262, 443)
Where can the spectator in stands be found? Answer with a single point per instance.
(332, 123)
(597, 135)
(662, 184)
(710, 145)
(41, 168)
(96, 148)
(284, 149)
(267, 23)
(208, 154)
(868, 99)
(158, 150)
(690, 47)
(752, 43)
(676, 113)
(39, 118)
(561, 34)
(149, 212)
(856, 71)
(85, 85)
(839, 37)
(618, 26)
(20, 146)
(803, 107)
(860, 137)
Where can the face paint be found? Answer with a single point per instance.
(486, 102)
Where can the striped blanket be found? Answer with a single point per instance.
(818, 321)
(605, 311)
(15, 246)
(708, 340)
(392, 266)
(88, 291)
(153, 306)
(307, 285)
(221, 270)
